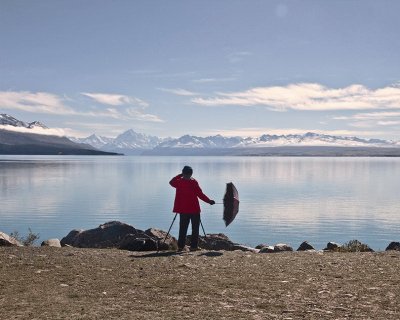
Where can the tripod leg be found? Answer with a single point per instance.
(201, 223)
(170, 228)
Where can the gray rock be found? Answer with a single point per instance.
(393, 246)
(281, 247)
(241, 247)
(108, 235)
(267, 249)
(305, 246)
(132, 242)
(159, 235)
(51, 243)
(215, 242)
(71, 238)
(7, 241)
(332, 246)
(262, 245)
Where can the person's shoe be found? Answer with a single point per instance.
(184, 249)
(195, 249)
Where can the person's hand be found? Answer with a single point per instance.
(212, 202)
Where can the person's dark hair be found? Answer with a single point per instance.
(187, 171)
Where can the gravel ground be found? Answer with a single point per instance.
(70, 283)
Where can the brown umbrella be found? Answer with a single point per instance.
(231, 203)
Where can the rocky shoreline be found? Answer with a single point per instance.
(119, 235)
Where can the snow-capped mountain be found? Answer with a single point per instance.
(94, 140)
(266, 140)
(188, 141)
(7, 120)
(128, 142)
(133, 140)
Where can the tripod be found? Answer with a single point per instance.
(201, 223)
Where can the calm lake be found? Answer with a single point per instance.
(281, 199)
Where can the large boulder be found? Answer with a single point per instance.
(7, 241)
(107, 235)
(71, 238)
(393, 246)
(120, 235)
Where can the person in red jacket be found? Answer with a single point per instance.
(187, 205)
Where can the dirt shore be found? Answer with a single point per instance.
(70, 283)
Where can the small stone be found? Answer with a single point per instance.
(305, 246)
(7, 241)
(332, 246)
(281, 247)
(268, 249)
(51, 243)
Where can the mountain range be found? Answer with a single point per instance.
(309, 143)
(133, 143)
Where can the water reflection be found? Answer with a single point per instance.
(282, 199)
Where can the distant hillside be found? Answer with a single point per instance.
(14, 142)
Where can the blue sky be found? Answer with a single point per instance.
(168, 68)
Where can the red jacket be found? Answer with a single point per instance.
(187, 193)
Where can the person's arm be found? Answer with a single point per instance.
(174, 180)
(202, 196)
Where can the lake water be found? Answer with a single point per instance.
(281, 199)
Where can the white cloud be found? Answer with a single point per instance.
(115, 99)
(37, 130)
(139, 115)
(130, 108)
(37, 102)
(388, 123)
(179, 92)
(369, 116)
(372, 119)
(309, 97)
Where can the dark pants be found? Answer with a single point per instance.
(183, 227)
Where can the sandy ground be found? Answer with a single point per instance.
(70, 283)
